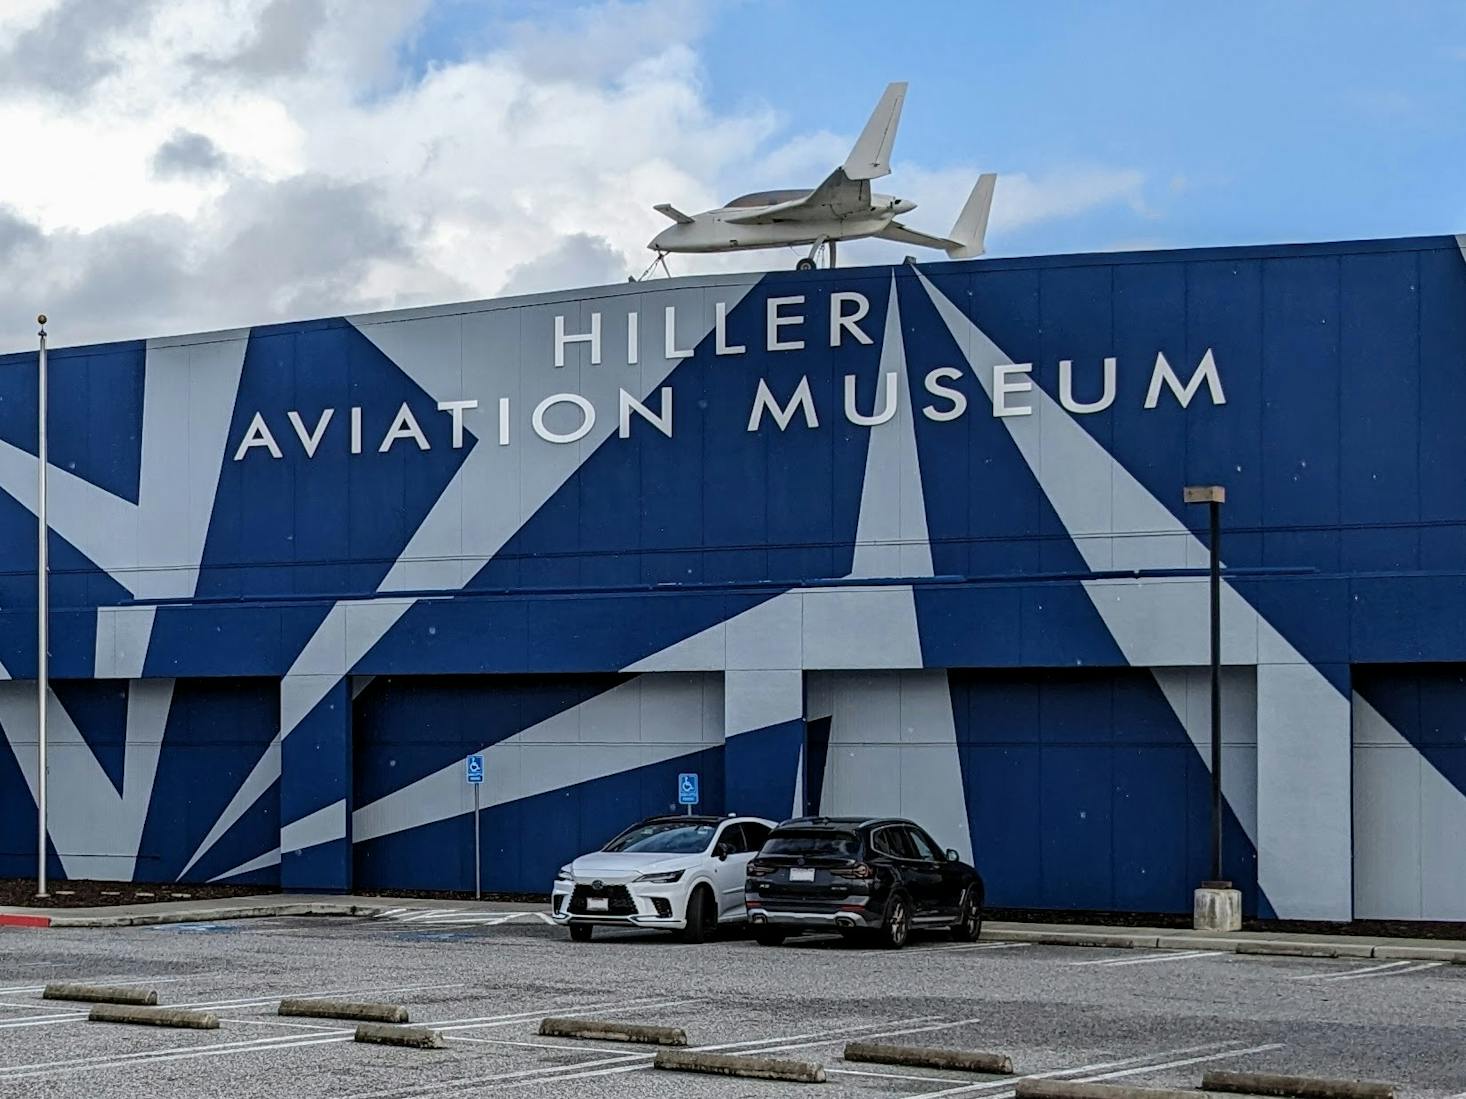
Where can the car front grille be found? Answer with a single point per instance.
(618, 896)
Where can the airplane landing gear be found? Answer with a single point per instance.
(809, 262)
(660, 261)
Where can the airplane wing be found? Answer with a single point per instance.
(668, 210)
(901, 234)
(871, 157)
(838, 196)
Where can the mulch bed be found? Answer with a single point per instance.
(21, 893)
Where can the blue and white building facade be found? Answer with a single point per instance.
(898, 540)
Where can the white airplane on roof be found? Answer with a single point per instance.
(841, 208)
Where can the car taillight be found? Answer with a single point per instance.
(859, 870)
(759, 869)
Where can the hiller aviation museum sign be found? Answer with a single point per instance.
(786, 329)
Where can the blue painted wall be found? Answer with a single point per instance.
(490, 586)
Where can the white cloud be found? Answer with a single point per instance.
(193, 165)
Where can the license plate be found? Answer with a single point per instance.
(801, 874)
(597, 904)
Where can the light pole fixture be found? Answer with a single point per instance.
(1214, 496)
(43, 611)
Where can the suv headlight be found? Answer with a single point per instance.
(564, 874)
(666, 877)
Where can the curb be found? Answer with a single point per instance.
(1072, 938)
(101, 994)
(1063, 1089)
(14, 919)
(193, 915)
(995, 1064)
(154, 1016)
(383, 1034)
(1238, 944)
(755, 1068)
(610, 1031)
(1295, 1087)
(354, 1010)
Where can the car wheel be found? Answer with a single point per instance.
(581, 932)
(896, 924)
(769, 936)
(968, 927)
(702, 917)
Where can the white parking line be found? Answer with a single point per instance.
(558, 1077)
(1163, 956)
(1183, 956)
(72, 1015)
(1347, 973)
(890, 1075)
(117, 981)
(1218, 1053)
(278, 1042)
(1393, 973)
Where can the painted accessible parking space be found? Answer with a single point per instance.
(485, 990)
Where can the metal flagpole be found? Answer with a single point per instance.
(43, 610)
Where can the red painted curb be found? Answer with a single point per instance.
(11, 920)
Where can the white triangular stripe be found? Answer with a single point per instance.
(269, 858)
(1304, 853)
(96, 831)
(466, 537)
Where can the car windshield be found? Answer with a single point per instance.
(664, 838)
(838, 844)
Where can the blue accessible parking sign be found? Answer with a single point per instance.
(475, 769)
(687, 789)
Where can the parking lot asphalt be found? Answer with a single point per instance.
(484, 980)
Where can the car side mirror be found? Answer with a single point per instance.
(952, 855)
(723, 850)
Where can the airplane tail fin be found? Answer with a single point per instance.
(871, 156)
(972, 223)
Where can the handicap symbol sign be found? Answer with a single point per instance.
(687, 789)
(475, 772)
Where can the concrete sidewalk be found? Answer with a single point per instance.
(1307, 945)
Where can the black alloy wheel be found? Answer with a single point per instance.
(702, 916)
(896, 925)
(968, 927)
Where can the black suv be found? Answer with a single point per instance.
(877, 876)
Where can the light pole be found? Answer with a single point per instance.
(43, 610)
(1214, 496)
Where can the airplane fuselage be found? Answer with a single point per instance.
(715, 231)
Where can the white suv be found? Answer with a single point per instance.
(680, 873)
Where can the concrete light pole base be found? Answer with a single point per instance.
(1216, 906)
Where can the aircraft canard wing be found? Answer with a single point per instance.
(838, 196)
(668, 210)
(902, 235)
(871, 156)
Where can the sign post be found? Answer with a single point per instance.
(474, 772)
(687, 790)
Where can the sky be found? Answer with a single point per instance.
(171, 166)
